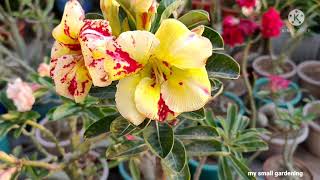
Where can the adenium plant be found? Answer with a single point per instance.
(135, 78)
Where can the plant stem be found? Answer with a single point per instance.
(248, 85)
(197, 174)
(23, 162)
(48, 134)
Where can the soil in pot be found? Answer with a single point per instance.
(275, 165)
(264, 67)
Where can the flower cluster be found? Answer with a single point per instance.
(160, 75)
(235, 30)
(271, 23)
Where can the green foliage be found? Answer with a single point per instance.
(126, 149)
(165, 9)
(215, 38)
(160, 138)
(222, 66)
(195, 18)
(100, 126)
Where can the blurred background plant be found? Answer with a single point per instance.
(25, 35)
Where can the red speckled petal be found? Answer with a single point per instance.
(129, 53)
(93, 36)
(71, 77)
(57, 51)
(67, 31)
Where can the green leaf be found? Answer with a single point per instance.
(97, 113)
(240, 168)
(205, 148)
(99, 127)
(159, 137)
(64, 111)
(165, 9)
(6, 102)
(216, 87)
(232, 120)
(195, 18)
(198, 133)
(104, 92)
(194, 115)
(134, 170)
(94, 16)
(224, 171)
(209, 117)
(126, 149)
(5, 127)
(121, 127)
(177, 158)
(215, 38)
(172, 175)
(222, 66)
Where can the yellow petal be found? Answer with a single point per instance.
(59, 50)
(186, 90)
(110, 10)
(181, 47)
(147, 96)
(93, 35)
(125, 99)
(145, 13)
(71, 77)
(68, 30)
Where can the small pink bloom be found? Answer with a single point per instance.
(278, 83)
(44, 70)
(130, 137)
(21, 94)
(271, 23)
(247, 3)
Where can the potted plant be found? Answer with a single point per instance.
(289, 122)
(312, 108)
(278, 90)
(211, 167)
(268, 118)
(307, 72)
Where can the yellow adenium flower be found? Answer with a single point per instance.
(72, 68)
(171, 76)
(141, 12)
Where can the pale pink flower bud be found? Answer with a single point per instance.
(44, 70)
(21, 94)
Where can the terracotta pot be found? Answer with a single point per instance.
(276, 144)
(308, 73)
(262, 66)
(312, 142)
(274, 166)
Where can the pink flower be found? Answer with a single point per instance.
(44, 70)
(278, 83)
(235, 30)
(21, 94)
(271, 23)
(130, 137)
(247, 3)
